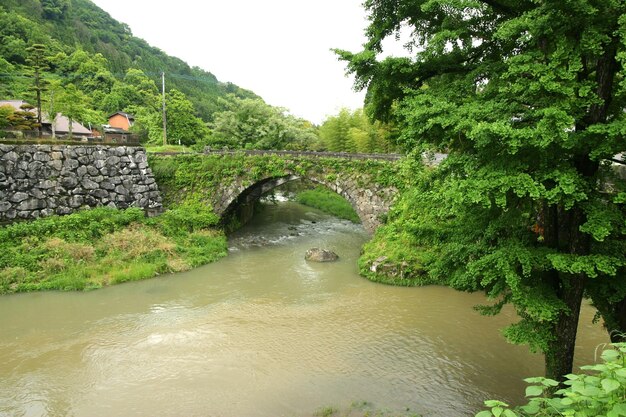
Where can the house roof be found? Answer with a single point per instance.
(121, 113)
(61, 123)
(16, 104)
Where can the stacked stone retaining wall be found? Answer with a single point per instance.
(41, 180)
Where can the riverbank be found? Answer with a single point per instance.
(95, 248)
(329, 202)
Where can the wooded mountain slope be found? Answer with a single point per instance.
(65, 26)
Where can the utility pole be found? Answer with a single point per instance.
(164, 119)
(51, 116)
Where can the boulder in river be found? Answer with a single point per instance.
(320, 255)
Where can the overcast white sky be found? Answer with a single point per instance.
(280, 49)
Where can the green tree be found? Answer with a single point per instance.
(528, 98)
(253, 124)
(37, 61)
(76, 106)
(23, 119)
(183, 127)
(5, 116)
(54, 9)
(353, 132)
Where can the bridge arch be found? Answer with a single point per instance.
(368, 205)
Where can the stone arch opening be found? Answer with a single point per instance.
(241, 202)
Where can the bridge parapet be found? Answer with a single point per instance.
(309, 154)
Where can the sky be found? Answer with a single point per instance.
(280, 49)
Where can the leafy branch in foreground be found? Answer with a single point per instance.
(600, 392)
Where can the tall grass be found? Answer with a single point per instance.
(329, 202)
(99, 247)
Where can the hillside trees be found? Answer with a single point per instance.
(37, 66)
(528, 98)
(253, 124)
(353, 132)
(92, 51)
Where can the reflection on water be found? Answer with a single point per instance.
(260, 333)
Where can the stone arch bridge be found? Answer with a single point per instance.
(229, 180)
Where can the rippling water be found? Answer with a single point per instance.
(260, 333)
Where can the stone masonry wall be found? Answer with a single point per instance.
(41, 180)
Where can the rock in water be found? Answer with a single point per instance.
(320, 255)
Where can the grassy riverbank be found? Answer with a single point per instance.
(94, 248)
(329, 202)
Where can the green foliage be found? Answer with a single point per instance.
(185, 218)
(98, 247)
(599, 392)
(54, 9)
(252, 124)
(182, 126)
(91, 51)
(329, 202)
(528, 100)
(353, 132)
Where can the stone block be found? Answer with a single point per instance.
(31, 204)
(107, 185)
(37, 193)
(69, 182)
(76, 201)
(113, 160)
(10, 156)
(56, 165)
(47, 212)
(99, 193)
(100, 155)
(89, 184)
(70, 164)
(121, 190)
(41, 157)
(45, 184)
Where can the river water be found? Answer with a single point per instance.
(261, 333)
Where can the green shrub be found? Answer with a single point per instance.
(599, 392)
(95, 248)
(329, 202)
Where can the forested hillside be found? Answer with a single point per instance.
(94, 52)
(84, 64)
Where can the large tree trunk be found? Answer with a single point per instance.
(559, 358)
(561, 231)
(617, 331)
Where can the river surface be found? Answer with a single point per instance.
(261, 333)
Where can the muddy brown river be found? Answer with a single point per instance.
(261, 333)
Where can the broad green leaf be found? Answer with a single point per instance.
(610, 384)
(484, 413)
(619, 409)
(534, 390)
(610, 355)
